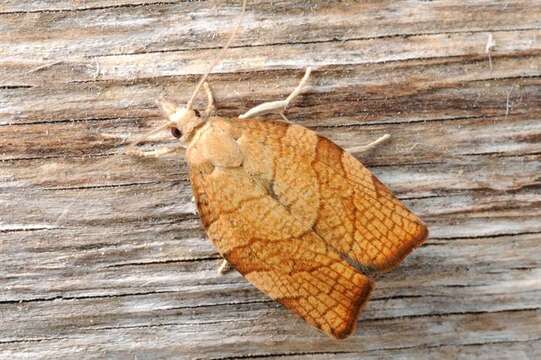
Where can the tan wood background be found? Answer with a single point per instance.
(101, 255)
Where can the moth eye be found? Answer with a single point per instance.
(176, 132)
(197, 113)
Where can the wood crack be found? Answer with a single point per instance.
(15, 87)
(310, 354)
(95, 8)
(165, 262)
(322, 41)
(84, 297)
(27, 229)
(31, 340)
(456, 313)
(487, 236)
(114, 186)
(77, 120)
(279, 354)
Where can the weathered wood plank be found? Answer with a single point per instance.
(198, 340)
(521, 46)
(168, 26)
(101, 255)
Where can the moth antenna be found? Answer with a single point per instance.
(189, 104)
(170, 108)
(145, 136)
(167, 107)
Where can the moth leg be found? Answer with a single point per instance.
(156, 153)
(224, 267)
(211, 108)
(284, 117)
(268, 107)
(195, 211)
(373, 144)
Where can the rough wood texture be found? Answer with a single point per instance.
(101, 255)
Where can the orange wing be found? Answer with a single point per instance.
(295, 214)
(359, 215)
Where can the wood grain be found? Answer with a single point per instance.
(101, 255)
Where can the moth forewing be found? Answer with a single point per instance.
(289, 237)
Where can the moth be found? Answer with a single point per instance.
(299, 217)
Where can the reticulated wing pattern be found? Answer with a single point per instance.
(292, 214)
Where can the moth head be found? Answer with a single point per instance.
(182, 121)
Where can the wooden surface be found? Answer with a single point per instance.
(101, 255)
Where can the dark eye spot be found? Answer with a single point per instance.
(176, 132)
(197, 113)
